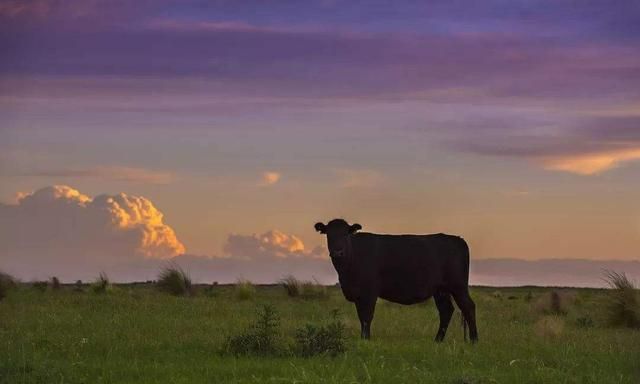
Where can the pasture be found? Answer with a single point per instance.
(136, 334)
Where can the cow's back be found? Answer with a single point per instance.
(409, 268)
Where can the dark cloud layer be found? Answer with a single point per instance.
(504, 50)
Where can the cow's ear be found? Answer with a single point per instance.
(321, 228)
(354, 228)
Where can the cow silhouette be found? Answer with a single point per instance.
(404, 269)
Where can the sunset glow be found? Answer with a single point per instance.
(218, 134)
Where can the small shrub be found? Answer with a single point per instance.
(528, 297)
(291, 285)
(585, 322)
(7, 282)
(623, 305)
(549, 327)
(314, 339)
(244, 289)
(174, 280)
(40, 285)
(55, 283)
(102, 284)
(512, 297)
(314, 290)
(261, 338)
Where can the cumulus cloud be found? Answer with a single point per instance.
(270, 178)
(261, 258)
(269, 245)
(58, 227)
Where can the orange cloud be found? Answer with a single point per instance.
(272, 244)
(592, 163)
(270, 178)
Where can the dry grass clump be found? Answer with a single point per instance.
(291, 285)
(102, 284)
(554, 303)
(303, 289)
(244, 289)
(623, 304)
(549, 327)
(174, 280)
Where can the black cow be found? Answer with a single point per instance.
(404, 269)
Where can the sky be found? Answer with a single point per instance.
(216, 133)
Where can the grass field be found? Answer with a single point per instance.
(135, 334)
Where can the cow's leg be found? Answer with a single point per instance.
(365, 308)
(468, 308)
(445, 309)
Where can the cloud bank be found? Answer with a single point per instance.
(57, 227)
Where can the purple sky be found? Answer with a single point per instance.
(515, 124)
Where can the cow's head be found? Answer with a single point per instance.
(338, 232)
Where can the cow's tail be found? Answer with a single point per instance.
(464, 328)
(464, 247)
(464, 324)
(466, 262)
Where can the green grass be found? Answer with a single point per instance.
(136, 334)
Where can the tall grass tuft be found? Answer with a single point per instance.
(291, 285)
(101, 284)
(244, 289)
(261, 338)
(55, 283)
(174, 280)
(7, 282)
(623, 305)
